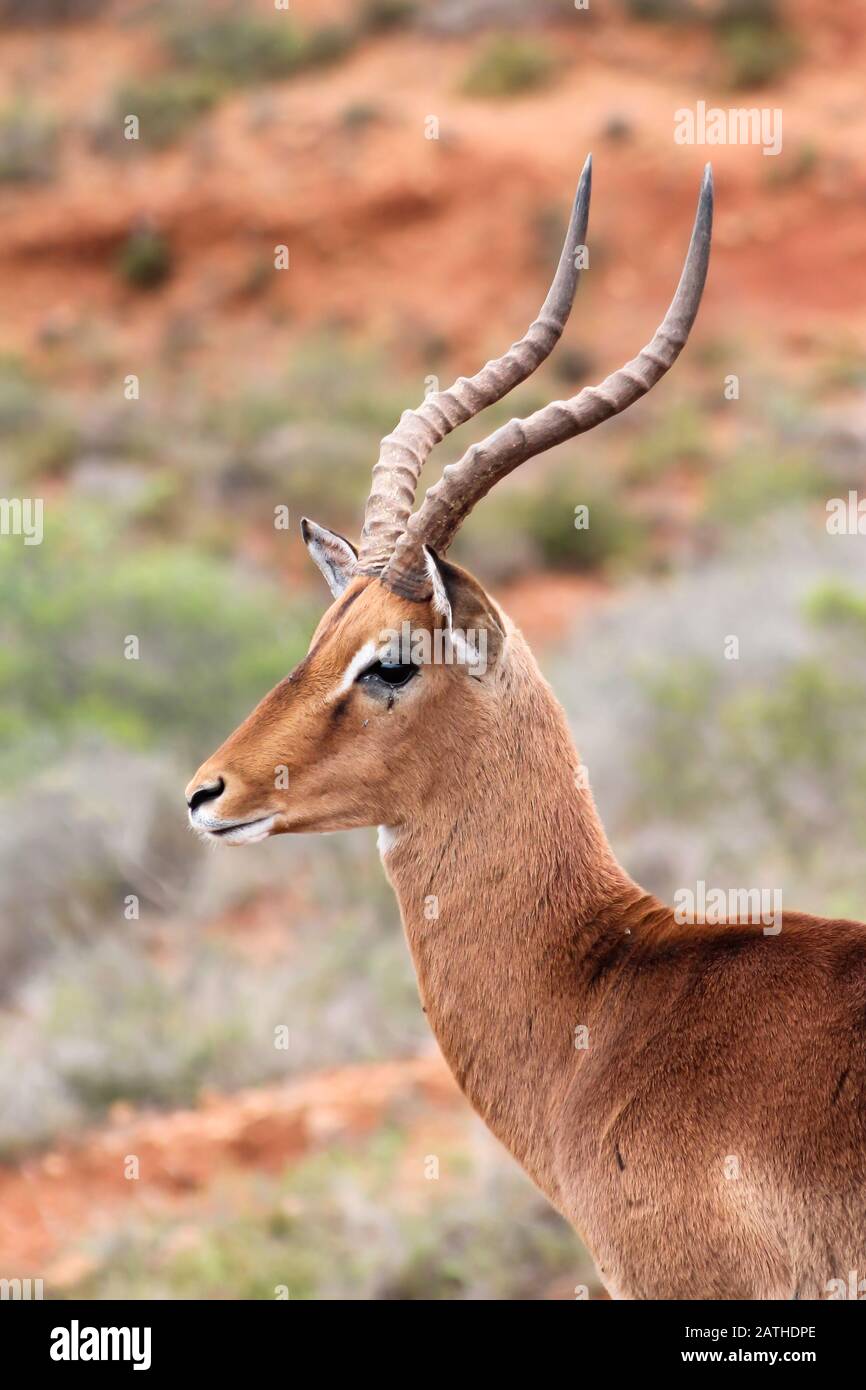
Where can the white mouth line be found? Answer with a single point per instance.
(240, 832)
(238, 825)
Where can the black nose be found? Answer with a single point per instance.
(208, 791)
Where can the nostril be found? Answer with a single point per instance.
(208, 791)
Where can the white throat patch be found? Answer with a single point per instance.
(386, 839)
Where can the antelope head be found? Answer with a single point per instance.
(412, 643)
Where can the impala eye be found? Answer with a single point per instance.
(389, 673)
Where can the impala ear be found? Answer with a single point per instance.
(440, 599)
(469, 614)
(334, 555)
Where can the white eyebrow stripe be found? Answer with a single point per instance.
(365, 657)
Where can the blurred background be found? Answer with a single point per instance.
(164, 386)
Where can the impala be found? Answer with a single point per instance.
(707, 1135)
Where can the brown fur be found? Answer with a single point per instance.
(706, 1044)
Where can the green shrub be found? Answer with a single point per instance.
(21, 403)
(788, 744)
(358, 115)
(378, 15)
(83, 590)
(145, 259)
(756, 46)
(326, 45)
(612, 533)
(142, 1049)
(672, 439)
(844, 366)
(542, 520)
(241, 50)
(28, 144)
(833, 605)
(38, 430)
(37, 12)
(677, 700)
(756, 53)
(793, 167)
(761, 477)
(165, 105)
(665, 11)
(509, 65)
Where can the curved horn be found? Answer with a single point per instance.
(449, 501)
(403, 452)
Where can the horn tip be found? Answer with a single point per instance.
(707, 181)
(580, 207)
(704, 216)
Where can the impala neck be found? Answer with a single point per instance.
(505, 884)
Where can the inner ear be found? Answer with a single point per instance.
(334, 555)
(440, 597)
(466, 608)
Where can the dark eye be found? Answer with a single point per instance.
(389, 673)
